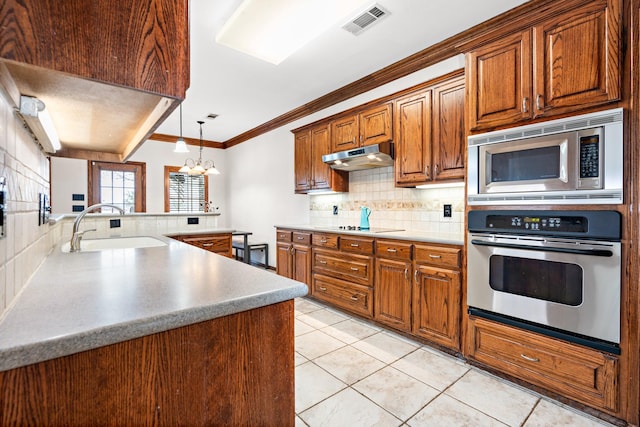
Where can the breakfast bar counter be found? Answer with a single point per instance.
(142, 330)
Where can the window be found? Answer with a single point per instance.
(184, 192)
(120, 184)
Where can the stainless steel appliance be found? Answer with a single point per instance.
(575, 160)
(555, 272)
(366, 157)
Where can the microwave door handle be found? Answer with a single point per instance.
(592, 252)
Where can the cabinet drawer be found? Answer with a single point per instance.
(283, 235)
(579, 373)
(356, 245)
(438, 255)
(356, 268)
(218, 244)
(393, 250)
(301, 238)
(325, 240)
(355, 298)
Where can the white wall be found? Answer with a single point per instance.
(69, 176)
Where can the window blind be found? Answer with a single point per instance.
(186, 192)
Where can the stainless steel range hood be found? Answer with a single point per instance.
(367, 157)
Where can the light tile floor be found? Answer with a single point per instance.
(353, 373)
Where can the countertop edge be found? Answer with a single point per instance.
(95, 338)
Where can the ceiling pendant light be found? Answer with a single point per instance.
(181, 146)
(193, 167)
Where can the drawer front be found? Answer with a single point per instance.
(438, 255)
(393, 250)
(579, 373)
(217, 244)
(301, 238)
(283, 235)
(325, 240)
(352, 267)
(356, 245)
(352, 297)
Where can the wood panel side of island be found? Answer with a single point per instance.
(234, 370)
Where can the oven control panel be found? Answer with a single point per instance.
(586, 224)
(571, 224)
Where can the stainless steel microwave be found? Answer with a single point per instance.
(575, 160)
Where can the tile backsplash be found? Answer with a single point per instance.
(391, 207)
(26, 169)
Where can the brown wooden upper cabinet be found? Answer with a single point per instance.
(566, 63)
(370, 126)
(430, 134)
(311, 173)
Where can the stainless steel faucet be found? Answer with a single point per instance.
(76, 236)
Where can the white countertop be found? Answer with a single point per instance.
(81, 301)
(418, 236)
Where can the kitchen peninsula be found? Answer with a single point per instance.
(166, 335)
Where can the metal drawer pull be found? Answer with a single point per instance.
(206, 245)
(323, 241)
(392, 250)
(320, 261)
(354, 269)
(355, 245)
(530, 359)
(354, 298)
(300, 238)
(434, 256)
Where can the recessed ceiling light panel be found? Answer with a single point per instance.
(272, 30)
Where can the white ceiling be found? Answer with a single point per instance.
(246, 92)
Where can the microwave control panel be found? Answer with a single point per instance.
(590, 167)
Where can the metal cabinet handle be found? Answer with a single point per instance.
(435, 170)
(539, 102)
(354, 298)
(406, 274)
(206, 245)
(300, 237)
(525, 104)
(355, 245)
(427, 171)
(323, 241)
(292, 249)
(393, 251)
(530, 359)
(322, 288)
(320, 261)
(434, 256)
(355, 269)
(415, 276)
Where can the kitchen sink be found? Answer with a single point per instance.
(92, 245)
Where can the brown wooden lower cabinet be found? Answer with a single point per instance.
(350, 296)
(573, 371)
(217, 243)
(234, 370)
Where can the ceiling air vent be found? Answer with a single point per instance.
(365, 19)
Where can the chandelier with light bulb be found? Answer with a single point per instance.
(199, 167)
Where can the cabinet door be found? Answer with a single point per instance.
(413, 139)
(302, 264)
(375, 125)
(284, 260)
(344, 134)
(392, 293)
(578, 59)
(320, 145)
(436, 305)
(499, 82)
(449, 140)
(302, 157)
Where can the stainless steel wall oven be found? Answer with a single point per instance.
(554, 272)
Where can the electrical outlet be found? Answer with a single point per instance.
(335, 209)
(114, 223)
(446, 212)
(193, 220)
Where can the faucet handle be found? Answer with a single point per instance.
(81, 233)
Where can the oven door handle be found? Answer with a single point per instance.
(592, 252)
